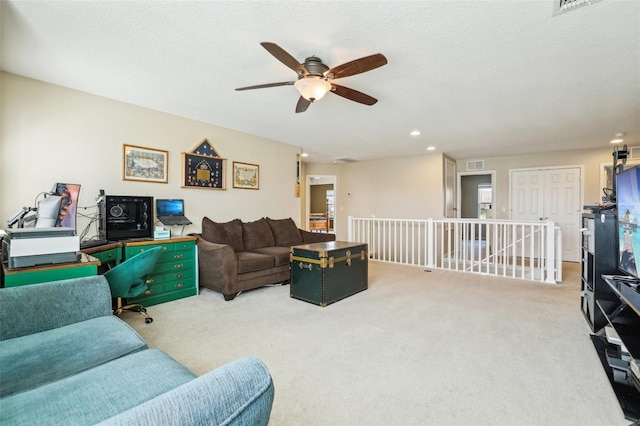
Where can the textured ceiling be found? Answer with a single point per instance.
(477, 78)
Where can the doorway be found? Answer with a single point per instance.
(475, 201)
(476, 194)
(321, 203)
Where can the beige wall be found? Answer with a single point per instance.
(404, 188)
(53, 134)
(591, 160)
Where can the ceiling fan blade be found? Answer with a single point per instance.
(280, 54)
(353, 95)
(302, 105)
(358, 66)
(263, 86)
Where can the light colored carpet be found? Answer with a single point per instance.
(416, 348)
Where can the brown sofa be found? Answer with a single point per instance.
(236, 256)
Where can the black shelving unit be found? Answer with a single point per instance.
(599, 257)
(623, 316)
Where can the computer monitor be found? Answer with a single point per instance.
(69, 193)
(628, 204)
(173, 207)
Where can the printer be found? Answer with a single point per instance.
(25, 247)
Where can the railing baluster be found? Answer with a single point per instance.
(490, 247)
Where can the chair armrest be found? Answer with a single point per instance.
(238, 393)
(217, 265)
(34, 308)
(316, 237)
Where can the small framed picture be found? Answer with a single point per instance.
(145, 164)
(246, 176)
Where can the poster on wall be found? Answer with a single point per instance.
(246, 176)
(145, 164)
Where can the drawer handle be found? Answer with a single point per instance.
(178, 256)
(179, 265)
(148, 292)
(179, 285)
(178, 276)
(303, 265)
(149, 281)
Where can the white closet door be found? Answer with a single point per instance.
(553, 194)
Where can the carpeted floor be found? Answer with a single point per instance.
(416, 348)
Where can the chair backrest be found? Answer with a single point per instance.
(128, 279)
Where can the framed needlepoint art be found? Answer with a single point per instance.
(246, 176)
(145, 164)
(203, 168)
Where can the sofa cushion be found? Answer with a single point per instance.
(98, 393)
(229, 233)
(280, 254)
(249, 261)
(257, 234)
(36, 359)
(285, 232)
(247, 391)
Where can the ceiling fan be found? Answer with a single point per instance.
(315, 78)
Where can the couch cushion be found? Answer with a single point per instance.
(257, 234)
(98, 393)
(285, 232)
(249, 261)
(36, 359)
(279, 254)
(238, 393)
(229, 233)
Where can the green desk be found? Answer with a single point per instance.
(109, 255)
(86, 266)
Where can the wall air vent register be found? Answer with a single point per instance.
(562, 6)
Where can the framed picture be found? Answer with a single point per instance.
(203, 171)
(145, 164)
(246, 176)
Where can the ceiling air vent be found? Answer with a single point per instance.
(562, 6)
(344, 160)
(475, 165)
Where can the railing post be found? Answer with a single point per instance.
(430, 243)
(551, 252)
(350, 228)
(558, 233)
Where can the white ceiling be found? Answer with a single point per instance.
(477, 78)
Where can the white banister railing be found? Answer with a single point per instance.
(525, 250)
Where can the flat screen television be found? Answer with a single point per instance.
(628, 205)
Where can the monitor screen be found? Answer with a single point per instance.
(628, 204)
(169, 207)
(69, 193)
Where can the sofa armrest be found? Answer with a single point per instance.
(217, 265)
(238, 393)
(316, 237)
(34, 308)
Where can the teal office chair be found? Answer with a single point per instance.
(129, 279)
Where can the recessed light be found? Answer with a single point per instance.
(431, 148)
(415, 133)
(304, 154)
(617, 138)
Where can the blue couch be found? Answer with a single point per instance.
(65, 359)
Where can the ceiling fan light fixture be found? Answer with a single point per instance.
(312, 88)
